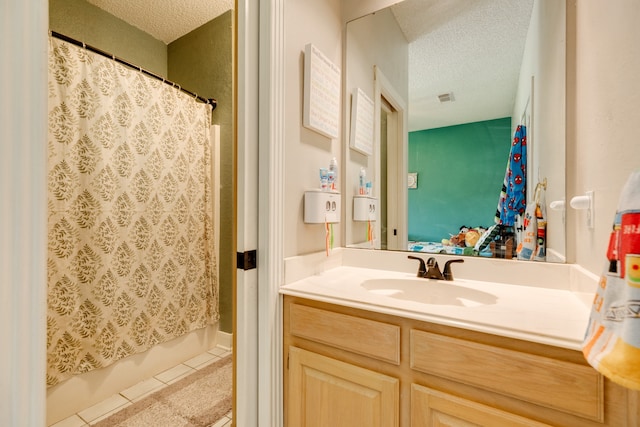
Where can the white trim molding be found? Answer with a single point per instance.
(245, 410)
(271, 207)
(23, 207)
(398, 217)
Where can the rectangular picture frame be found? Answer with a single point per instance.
(362, 122)
(321, 109)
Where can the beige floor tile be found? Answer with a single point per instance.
(108, 414)
(222, 422)
(175, 373)
(142, 389)
(107, 406)
(219, 351)
(199, 360)
(72, 421)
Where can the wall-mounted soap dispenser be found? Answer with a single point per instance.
(321, 207)
(365, 208)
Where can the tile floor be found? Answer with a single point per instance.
(113, 404)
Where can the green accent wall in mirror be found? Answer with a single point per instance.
(461, 170)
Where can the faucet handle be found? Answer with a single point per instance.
(448, 274)
(422, 269)
(433, 270)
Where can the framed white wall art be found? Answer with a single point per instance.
(321, 110)
(362, 122)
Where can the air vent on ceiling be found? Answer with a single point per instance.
(446, 97)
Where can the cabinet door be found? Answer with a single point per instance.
(325, 392)
(432, 408)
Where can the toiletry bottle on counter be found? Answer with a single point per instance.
(362, 184)
(324, 179)
(331, 180)
(333, 174)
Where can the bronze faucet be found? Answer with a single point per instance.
(430, 270)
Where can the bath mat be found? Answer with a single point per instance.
(198, 400)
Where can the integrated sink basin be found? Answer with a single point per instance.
(428, 291)
(549, 313)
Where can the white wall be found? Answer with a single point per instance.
(317, 22)
(544, 60)
(603, 115)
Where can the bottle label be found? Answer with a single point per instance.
(629, 239)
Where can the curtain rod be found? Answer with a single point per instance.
(210, 101)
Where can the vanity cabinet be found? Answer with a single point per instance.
(334, 393)
(354, 367)
(433, 408)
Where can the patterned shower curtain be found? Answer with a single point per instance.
(131, 241)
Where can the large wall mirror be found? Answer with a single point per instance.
(456, 86)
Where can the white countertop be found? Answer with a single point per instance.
(555, 317)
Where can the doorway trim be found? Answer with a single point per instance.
(397, 211)
(23, 218)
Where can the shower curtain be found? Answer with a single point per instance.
(131, 241)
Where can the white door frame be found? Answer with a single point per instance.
(23, 218)
(397, 209)
(260, 124)
(271, 207)
(245, 331)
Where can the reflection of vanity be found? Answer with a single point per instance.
(351, 358)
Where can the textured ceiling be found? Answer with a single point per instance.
(472, 48)
(165, 20)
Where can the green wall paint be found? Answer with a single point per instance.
(87, 23)
(460, 173)
(203, 62)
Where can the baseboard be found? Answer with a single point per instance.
(224, 340)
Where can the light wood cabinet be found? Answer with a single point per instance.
(330, 393)
(352, 367)
(431, 408)
(537, 379)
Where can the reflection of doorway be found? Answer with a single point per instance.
(391, 134)
(388, 141)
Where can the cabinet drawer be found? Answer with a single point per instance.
(565, 386)
(433, 408)
(363, 336)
